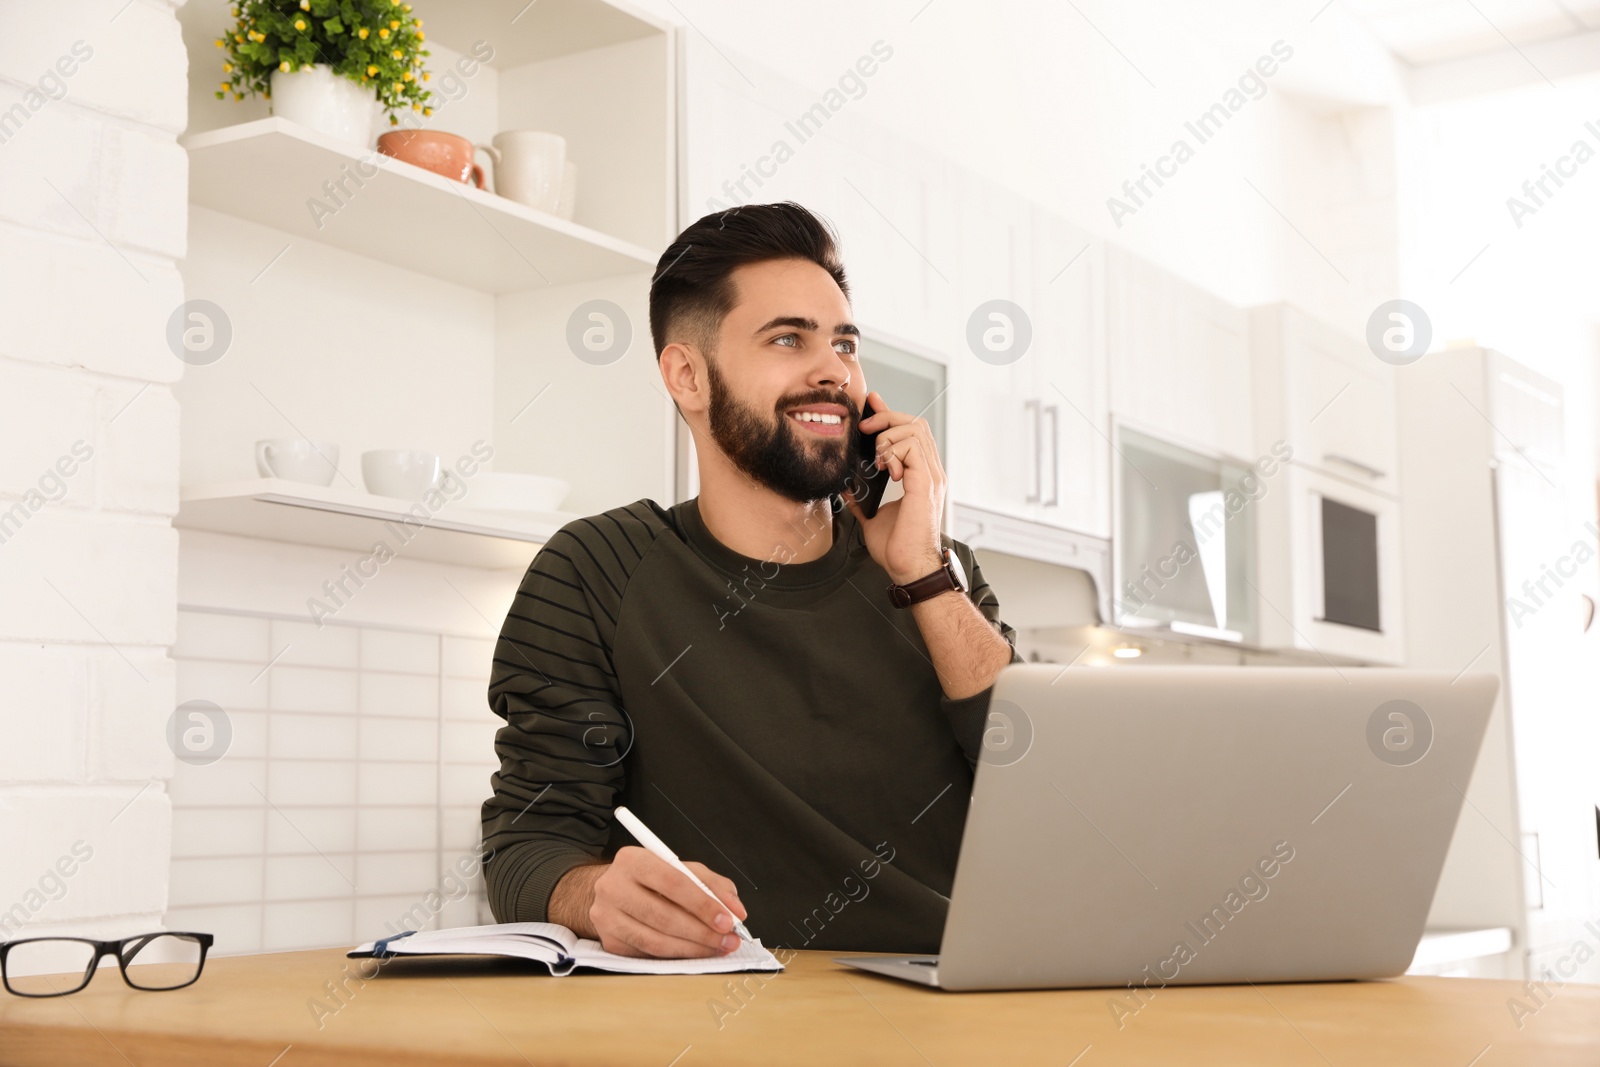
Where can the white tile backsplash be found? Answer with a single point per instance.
(230, 782)
(400, 651)
(237, 927)
(232, 686)
(314, 689)
(313, 737)
(399, 739)
(209, 635)
(467, 700)
(323, 821)
(230, 880)
(314, 782)
(412, 695)
(213, 832)
(297, 925)
(294, 831)
(467, 657)
(400, 783)
(407, 872)
(304, 644)
(467, 742)
(318, 876)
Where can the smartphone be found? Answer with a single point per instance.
(865, 481)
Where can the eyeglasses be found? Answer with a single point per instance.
(56, 966)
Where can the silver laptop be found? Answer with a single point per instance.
(1177, 825)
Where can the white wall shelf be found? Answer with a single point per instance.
(268, 171)
(339, 517)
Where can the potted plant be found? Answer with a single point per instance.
(329, 64)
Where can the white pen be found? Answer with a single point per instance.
(649, 840)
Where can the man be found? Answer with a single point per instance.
(731, 668)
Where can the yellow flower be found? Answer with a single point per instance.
(408, 7)
(305, 5)
(426, 76)
(225, 85)
(421, 36)
(238, 96)
(398, 54)
(362, 33)
(394, 24)
(383, 32)
(399, 87)
(416, 107)
(419, 24)
(427, 111)
(237, 39)
(227, 68)
(300, 24)
(372, 68)
(406, 77)
(219, 42)
(284, 66)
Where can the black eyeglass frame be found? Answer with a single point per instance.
(117, 948)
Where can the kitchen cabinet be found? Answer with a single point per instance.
(1331, 577)
(1324, 393)
(1030, 433)
(1179, 359)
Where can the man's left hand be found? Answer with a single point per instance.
(903, 538)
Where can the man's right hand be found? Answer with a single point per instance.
(640, 905)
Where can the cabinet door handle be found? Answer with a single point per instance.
(1355, 464)
(1055, 456)
(1038, 475)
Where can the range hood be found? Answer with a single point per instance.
(1025, 539)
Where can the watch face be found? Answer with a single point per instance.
(954, 561)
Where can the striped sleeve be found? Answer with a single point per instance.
(565, 735)
(968, 716)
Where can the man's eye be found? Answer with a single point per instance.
(845, 348)
(787, 338)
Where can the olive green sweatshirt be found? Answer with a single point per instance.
(781, 723)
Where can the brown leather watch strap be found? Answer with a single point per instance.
(940, 581)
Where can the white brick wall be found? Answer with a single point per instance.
(93, 216)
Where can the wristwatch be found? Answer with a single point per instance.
(946, 578)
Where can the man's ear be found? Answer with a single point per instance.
(683, 372)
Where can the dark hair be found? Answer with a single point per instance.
(692, 290)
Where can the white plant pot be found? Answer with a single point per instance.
(317, 97)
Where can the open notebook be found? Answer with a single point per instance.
(558, 948)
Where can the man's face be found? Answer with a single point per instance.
(786, 387)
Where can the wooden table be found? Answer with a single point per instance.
(260, 1011)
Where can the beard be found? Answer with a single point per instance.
(771, 449)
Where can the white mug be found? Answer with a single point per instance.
(567, 202)
(296, 459)
(400, 473)
(528, 166)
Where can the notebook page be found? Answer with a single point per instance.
(749, 956)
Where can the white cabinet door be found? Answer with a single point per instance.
(995, 420)
(1179, 359)
(1075, 424)
(1340, 404)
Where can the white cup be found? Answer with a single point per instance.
(528, 166)
(399, 473)
(567, 202)
(296, 459)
